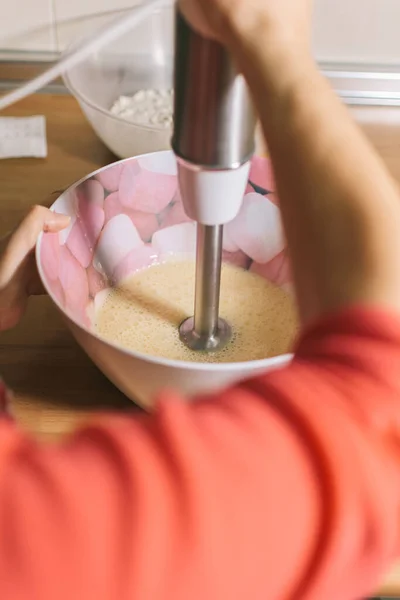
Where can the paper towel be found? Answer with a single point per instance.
(23, 137)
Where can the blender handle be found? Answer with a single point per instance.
(214, 121)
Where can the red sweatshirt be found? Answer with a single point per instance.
(284, 487)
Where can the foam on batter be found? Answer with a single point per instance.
(144, 312)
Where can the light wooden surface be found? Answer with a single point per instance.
(56, 386)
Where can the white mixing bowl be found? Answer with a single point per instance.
(112, 234)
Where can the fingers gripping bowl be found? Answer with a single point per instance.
(128, 216)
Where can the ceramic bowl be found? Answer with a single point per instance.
(127, 216)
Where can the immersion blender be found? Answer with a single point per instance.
(213, 140)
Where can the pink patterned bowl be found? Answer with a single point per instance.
(127, 216)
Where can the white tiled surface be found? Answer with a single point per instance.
(71, 29)
(357, 31)
(75, 18)
(344, 30)
(71, 9)
(27, 25)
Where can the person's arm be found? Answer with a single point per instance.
(340, 207)
(286, 486)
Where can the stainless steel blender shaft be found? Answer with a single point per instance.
(206, 331)
(213, 130)
(208, 278)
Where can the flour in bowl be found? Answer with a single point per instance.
(146, 107)
(145, 311)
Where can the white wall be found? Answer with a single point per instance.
(344, 30)
(357, 31)
(49, 25)
(27, 24)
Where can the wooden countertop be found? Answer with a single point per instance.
(56, 386)
(55, 383)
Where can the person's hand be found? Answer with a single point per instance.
(262, 22)
(18, 275)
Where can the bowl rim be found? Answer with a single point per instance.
(107, 112)
(249, 365)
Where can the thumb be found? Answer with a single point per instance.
(24, 239)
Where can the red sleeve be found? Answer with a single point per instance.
(286, 486)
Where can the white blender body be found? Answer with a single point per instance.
(212, 196)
